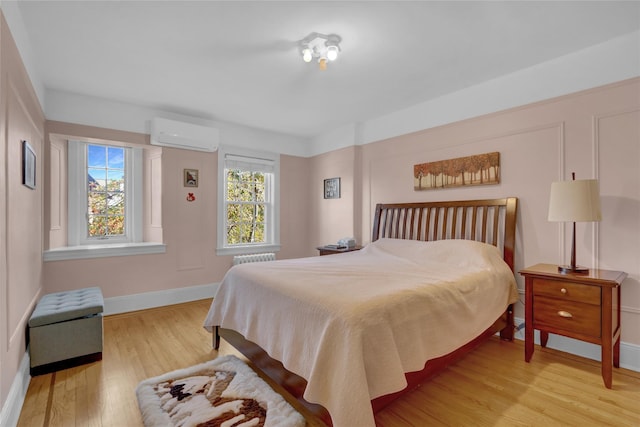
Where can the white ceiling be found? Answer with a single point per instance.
(238, 61)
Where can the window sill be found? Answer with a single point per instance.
(101, 251)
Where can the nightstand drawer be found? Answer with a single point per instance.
(567, 291)
(567, 315)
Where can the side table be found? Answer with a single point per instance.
(577, 305)
(335, 249)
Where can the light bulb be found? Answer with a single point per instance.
(307, 55)
(332, 53)
(323, 63)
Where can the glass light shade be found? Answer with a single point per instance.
(577, 201)
(307, 55)
(332, 53)
(322, 63)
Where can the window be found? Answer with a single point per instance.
(248, 185)
(105, 202)
(105, 191)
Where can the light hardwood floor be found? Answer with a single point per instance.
(492, 386)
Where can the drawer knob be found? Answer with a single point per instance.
(563, 290)
(565, 314)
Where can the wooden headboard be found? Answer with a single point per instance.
(490, 221)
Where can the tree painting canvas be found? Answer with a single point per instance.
(481, 169)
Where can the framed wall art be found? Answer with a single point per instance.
(28, 166)
(332, 188)
(191, 177)
(481, 169)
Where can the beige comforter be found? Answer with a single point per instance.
(353, 324)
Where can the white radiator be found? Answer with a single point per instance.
(242, 259)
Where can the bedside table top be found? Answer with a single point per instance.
(336, 248)
(595, 276)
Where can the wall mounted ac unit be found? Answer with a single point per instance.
(171, 133)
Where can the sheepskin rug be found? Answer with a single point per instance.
(224, 392)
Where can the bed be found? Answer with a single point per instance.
(435, 281)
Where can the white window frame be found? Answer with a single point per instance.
(272, 213)
(77, 196)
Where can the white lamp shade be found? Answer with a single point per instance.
(575, 201)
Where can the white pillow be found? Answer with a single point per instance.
(453, 252)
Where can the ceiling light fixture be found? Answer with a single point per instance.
(332, 52)
(323, 47)
(307, 54)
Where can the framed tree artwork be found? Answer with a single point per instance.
(481, 169)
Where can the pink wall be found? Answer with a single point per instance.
(294, 208)
(21, 222)
(187, 228)
(332, 219)
(594, 133)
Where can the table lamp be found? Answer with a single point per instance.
(574, 201)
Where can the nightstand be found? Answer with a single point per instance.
(334, 249)
(581, 306)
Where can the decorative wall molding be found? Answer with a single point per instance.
(596, 121)
(595, 166)
(561, 173)
(559, 126)
(595, 150)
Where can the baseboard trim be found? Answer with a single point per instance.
(135, 302)
(629, 353)
(12, 407)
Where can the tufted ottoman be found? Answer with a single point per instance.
(65, 330)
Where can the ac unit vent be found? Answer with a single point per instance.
(187, 136)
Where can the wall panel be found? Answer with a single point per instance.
(594, 133)
(617, 139)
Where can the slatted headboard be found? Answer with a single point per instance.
(490, 221)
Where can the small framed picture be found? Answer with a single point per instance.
(332, 188)
(28, 166)
(191, 177)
